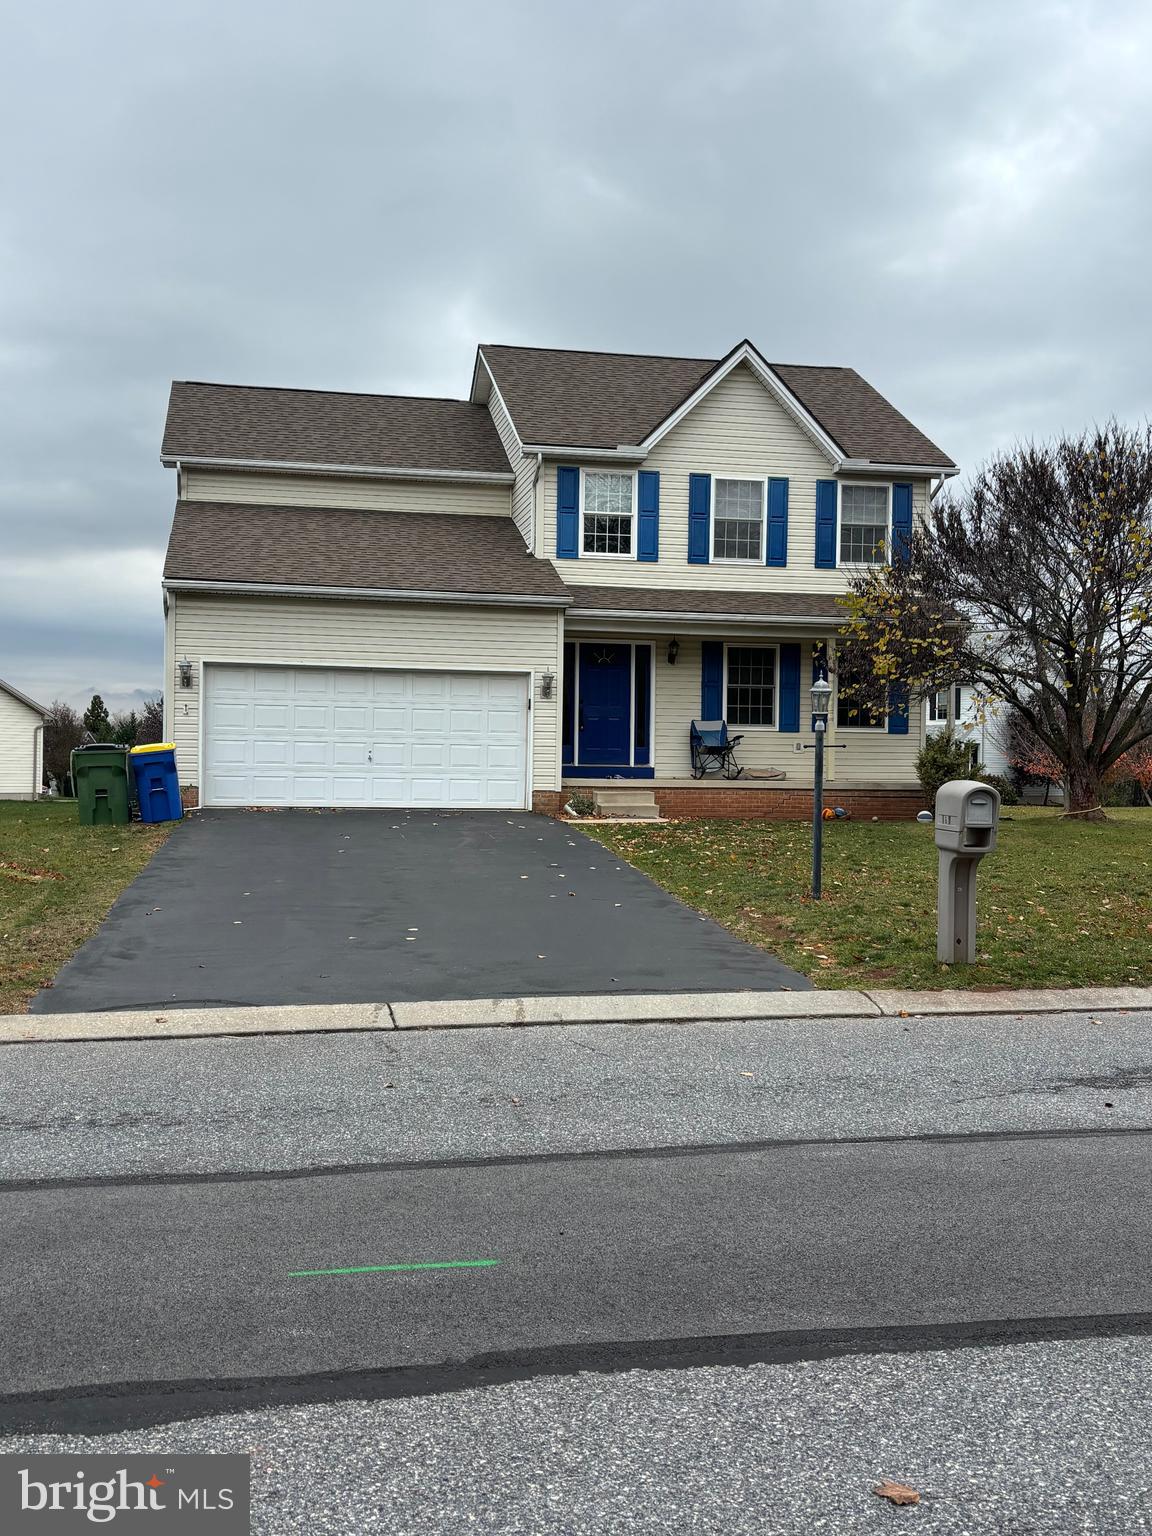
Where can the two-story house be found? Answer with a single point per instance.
(382, 600)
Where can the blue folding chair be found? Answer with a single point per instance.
(713, 750)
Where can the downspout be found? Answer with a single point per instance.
(535, 483)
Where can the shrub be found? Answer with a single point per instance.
(582, 804)
(943, 756)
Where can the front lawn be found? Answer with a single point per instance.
(57, 882)
(1061, 904)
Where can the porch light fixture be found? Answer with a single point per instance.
(673, 651)
(820, 693)
(185, 673)
(547, 685)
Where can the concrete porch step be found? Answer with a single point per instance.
(638, 804)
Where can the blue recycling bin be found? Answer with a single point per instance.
(157, 786)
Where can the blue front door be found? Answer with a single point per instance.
(604, 715)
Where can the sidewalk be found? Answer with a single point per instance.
(616, 1008)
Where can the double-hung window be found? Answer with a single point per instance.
(750, 694)
(738, 520)
(608, 513)
(938, 706)
(852, 712)
(863, 524)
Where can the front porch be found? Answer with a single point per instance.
(632, 686)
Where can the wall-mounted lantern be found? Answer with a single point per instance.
(673, 651)
(547, 685)
(185, 673)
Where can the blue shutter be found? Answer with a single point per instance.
(789, 712)
(898, 709)
(648, 534)
(700, 526)
(712, 679)
(901, 524)
(567, 513)
(777, 551)
(826, 524)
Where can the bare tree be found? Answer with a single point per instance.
(1035, 587)
(152, 719)
(63, 730)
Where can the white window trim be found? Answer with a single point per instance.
(866, 565)
(754, 645)
(588, 554)
(714, 558)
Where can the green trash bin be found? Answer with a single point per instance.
(100, 778)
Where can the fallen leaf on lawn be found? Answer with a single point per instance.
(897, 1493)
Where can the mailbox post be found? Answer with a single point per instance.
(966, 816)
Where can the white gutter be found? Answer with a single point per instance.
(376, 594)
(570, 450)
(676, 616)
(869, 466)
(396, 472)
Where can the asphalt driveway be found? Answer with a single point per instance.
(251, 907)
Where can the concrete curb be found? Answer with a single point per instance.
(617, 1008)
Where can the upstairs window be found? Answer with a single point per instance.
(738, 520)
(863, 524)
(608, 509)
(750, 696)
(938, 706)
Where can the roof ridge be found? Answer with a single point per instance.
(659, 357)
(304, 389)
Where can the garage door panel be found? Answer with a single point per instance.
(271, 717)
(316, 736)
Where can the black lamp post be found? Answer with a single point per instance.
(821, 693)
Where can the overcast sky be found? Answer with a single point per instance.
(951, 198)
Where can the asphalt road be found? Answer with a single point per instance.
(743, 1271)
(299, 1101)
(254, 907)
(1035, 1440)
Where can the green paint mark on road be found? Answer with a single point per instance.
(378, 1269)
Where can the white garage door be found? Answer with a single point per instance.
(320, 736)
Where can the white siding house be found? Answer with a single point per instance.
(493, 602)
(21, 745)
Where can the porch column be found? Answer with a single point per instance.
(830, 734)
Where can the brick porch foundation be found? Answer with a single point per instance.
(747, 800)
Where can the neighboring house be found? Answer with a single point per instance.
(985, 725)
(398, 601)
(21, 745)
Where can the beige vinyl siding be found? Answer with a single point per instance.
(303, 631)
(870, 757)
(523, 491)
(739, 430)
(357, 492)
(21, 749)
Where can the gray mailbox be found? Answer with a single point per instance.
(967, 813)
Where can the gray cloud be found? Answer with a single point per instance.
(351, 195)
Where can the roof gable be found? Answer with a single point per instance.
(609, 400)
(22, 698)
(319, 428)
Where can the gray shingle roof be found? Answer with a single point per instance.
(609, 399)
(682, 600)
(317, 426)
(334, 547)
